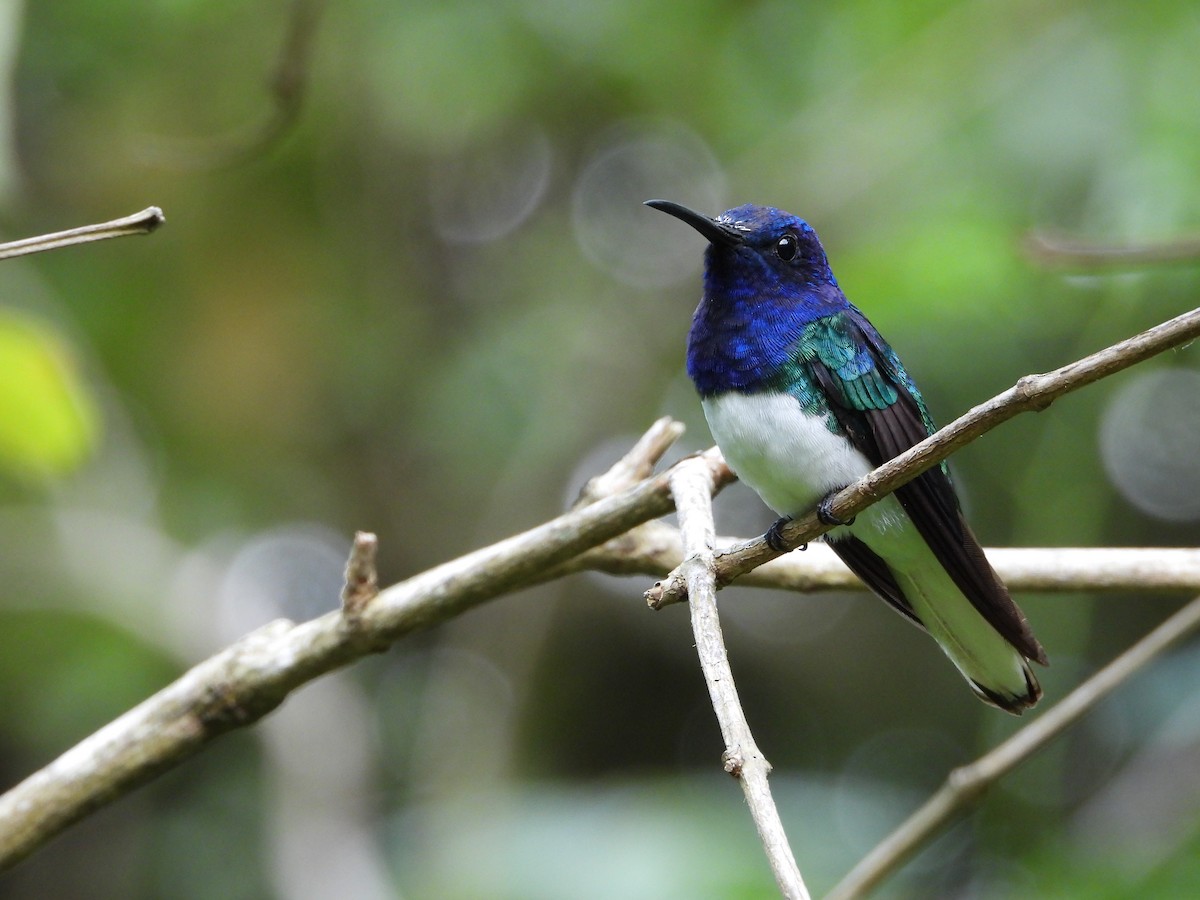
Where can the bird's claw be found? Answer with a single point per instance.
(775, 540)
(825, 512)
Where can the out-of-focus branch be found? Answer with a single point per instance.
(247, 680)
(964, 785)
(1032, 392)
(692, 485)
(1056, 251)
(288, 86)
(139, 223)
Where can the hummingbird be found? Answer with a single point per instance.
(804, 397)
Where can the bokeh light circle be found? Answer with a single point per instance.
(482, 194)
(1150, 443)
(636, 161)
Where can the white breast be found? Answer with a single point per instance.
(791, 459)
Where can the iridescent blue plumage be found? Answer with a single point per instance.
(803, 396)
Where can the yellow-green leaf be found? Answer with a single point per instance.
(48, 421)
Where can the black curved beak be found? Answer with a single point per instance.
(716, 232)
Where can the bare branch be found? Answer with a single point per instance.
(654, 549)
(692, 485)
(247, 680)
(965, 785)
(139, 223)
(1032, 392)
(1057, 251)
(634, 466)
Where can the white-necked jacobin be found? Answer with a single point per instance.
(803, 397)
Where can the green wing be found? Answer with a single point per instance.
(876, 403)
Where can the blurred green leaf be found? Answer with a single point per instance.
(48, 421)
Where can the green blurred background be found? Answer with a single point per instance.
(434, 306)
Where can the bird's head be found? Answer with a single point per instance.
(757, 250)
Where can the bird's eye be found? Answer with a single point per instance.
(786, 247)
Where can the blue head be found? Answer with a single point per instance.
(765, 278)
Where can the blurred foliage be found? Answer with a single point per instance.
(435, 306)
(47, 419)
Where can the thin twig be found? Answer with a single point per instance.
(1032, 392)
(244, 682)
(139, 223)
(692, 486)
(1057, 251)
(634, 466)
(965, 784)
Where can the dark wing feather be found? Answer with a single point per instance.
(875, 574)
(882, 431)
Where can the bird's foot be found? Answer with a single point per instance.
(774, 537)
(825, 514)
